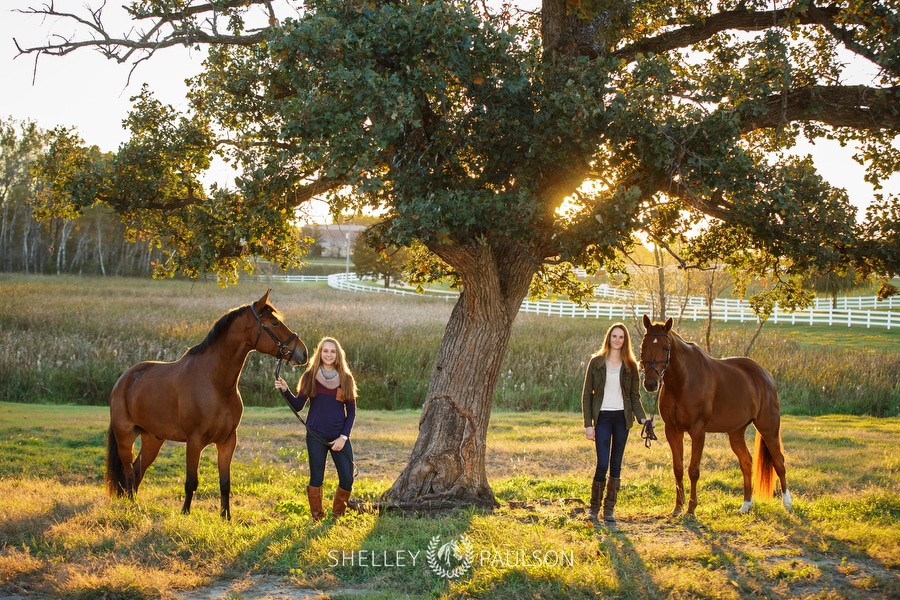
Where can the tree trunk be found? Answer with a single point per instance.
(67, 226)
(661, 281)
(447, 465)
(759, 326)
(553, 25)
(100, 249)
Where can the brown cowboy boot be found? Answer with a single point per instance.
(596, 498)
(612, 493)
(315, 502)
(340, 502)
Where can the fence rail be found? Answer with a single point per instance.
(743, 314)
(819, 304)
(851, 311)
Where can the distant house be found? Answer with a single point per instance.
(334, 240)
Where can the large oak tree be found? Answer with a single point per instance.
(510, 145)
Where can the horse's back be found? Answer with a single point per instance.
(149, 395)
(758, 375)
(751, 381)
(144, 378)
(723, 395)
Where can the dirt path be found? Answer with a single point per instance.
(258, 587)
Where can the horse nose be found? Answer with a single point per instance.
(299, 356)
(650, 386)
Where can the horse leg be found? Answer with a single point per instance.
(771, 449)
(192, 460)
(739, 447)
(124, 443)
(150, 446)
(675, 437)
(115, 477)
(698, 439)
(776, 452)
(225, 453)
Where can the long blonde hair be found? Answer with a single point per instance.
(627, 351)
(306, 387)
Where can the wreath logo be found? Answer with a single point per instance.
(452, 559)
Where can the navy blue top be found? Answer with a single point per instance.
(328, 417)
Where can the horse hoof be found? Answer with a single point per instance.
(745, 507)
(677, 512)
(786, 499)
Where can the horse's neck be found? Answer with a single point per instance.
(225, 360)
(679, 356)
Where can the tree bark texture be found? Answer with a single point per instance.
(447, 465)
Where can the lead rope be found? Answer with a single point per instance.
(647, 432)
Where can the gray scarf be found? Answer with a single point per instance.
(332, 383)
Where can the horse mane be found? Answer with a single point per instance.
(221, 325)
(683, 341)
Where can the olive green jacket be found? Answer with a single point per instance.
(592, 392)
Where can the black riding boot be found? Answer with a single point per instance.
(596, 498)
(612, 493)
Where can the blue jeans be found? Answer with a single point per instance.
(318, 451)
(611, 433)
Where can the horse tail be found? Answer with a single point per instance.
(115, 471)
(764, 469)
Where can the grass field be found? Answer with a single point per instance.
(64, 341)
(62, 538)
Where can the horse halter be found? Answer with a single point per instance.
(284, 351)
(652, 364)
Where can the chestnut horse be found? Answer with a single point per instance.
(700, 394)
(193, 400)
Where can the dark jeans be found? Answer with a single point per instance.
(318, 451)
(611, 433)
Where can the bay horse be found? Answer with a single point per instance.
(194, 399)
(700, 394)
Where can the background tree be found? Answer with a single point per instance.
(385, 264)
(35, 240)
(713, 282)
(832, 284)
(20, 145)
(468, 131)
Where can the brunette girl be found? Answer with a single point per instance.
(610, 402)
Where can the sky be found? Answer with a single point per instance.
(91, 93)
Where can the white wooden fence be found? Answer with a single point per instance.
(725, 313)
(859, 311)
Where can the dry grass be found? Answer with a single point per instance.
(67, 339)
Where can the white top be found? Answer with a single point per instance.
(612, 391)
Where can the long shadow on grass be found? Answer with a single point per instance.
(635, 581)
(391, 551)
(803, 561)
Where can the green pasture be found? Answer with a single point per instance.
(60, 537)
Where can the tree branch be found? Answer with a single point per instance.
(307, 192)
(741, 20)
(858, 106)
(183, 32)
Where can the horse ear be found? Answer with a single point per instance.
(647, 322)
(261, 303)
(668, 323)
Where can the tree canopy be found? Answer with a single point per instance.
(510, 144)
